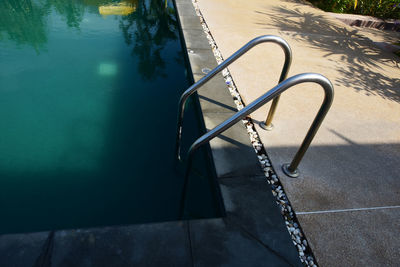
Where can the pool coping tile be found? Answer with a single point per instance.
(20, 250)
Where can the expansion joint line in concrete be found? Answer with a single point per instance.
(190, 244)
(346, 210)
(44, 259)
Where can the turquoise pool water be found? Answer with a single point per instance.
(88, 99)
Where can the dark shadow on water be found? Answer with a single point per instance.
(360, 60)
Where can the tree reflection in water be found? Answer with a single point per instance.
(148, 28)
(24, 22)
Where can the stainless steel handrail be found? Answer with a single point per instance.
(261, 39)
(290, 170)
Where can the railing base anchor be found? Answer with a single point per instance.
(285, 169)
(266, 127)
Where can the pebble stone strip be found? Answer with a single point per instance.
(292, 224)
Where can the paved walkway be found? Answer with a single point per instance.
(347, 197)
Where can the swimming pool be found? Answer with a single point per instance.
(88, 100)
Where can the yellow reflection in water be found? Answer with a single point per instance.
(123, 8)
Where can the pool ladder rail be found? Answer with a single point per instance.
(192, 89)
(273, 94)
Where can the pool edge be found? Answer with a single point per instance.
(239, 165)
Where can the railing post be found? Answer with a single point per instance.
(291, 169)
(267, 125)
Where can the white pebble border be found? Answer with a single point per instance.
(292, 224)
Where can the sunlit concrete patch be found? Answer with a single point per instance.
(107, 69)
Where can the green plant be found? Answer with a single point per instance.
(385, 9)
(379, 8)
(337, 6)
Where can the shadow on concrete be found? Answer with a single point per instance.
(360, 59)
(217, 103)
(341, 176)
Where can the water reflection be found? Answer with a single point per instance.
(71, 11)
(123, 8)
(147, 25)
(148, 29)
(24, 22)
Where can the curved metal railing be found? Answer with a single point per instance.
(288, 169)
(256, 41)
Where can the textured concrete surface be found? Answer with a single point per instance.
(382, 33)
(243, 197)
(233, 156)
(370, 236)
(21, 250)
(367, 21)
(203, 58)
(163, 244)
(221, 101)
(354, 160)
(250, 235)
(379, 35)
(227, 245)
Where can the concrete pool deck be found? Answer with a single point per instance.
(253, 232)
(347, 196)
